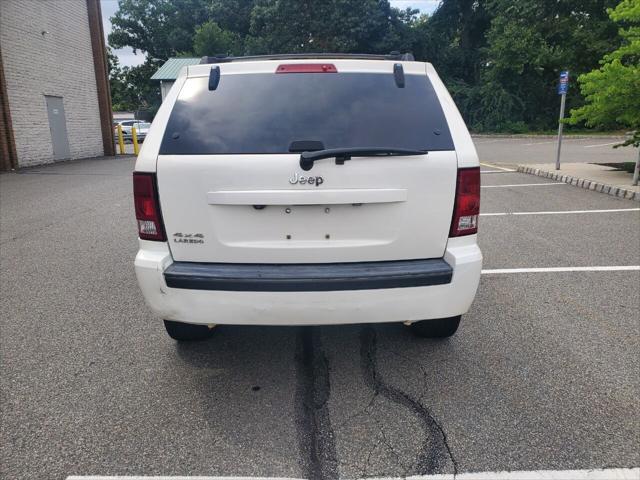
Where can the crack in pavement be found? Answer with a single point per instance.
(315, 434)
(435, 450)
(385, 441)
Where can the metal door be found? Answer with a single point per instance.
(58, 127)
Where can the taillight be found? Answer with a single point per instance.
(467, 204)
(307, 68)
(145, 199)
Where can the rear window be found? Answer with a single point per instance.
(265, 113)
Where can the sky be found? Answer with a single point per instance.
(128, 58)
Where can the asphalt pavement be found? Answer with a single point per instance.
(544, 372)
(527, 149)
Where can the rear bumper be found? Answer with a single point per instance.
(303, 295)
(326, 277)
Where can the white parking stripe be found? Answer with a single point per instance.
(524, 185)
(560, 212)
(605, 474)
(499, 168)
(593, 474)
(137, 477)
(620, 268)
(555, 140)
(601, 145)
(538, 143)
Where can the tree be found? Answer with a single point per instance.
(232, 15)
(528, 43)
(131, 87)
(210, 39)
(159, 28)
(117, 83)
(612, 92)
(453, 39)
(343, 26)
(144, 93)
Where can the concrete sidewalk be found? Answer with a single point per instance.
(589, 176)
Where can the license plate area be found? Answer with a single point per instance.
(291, 224)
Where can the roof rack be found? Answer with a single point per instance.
(394, 56)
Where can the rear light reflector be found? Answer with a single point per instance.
(145, 199)
(307, 68)
(467, 203)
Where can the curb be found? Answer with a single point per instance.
(583, 183)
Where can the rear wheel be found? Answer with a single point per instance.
(437, 328)
(185, 332)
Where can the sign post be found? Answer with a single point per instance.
(563, 86)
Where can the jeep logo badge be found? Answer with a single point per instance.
(302, 180)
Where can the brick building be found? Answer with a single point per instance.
(54, 92)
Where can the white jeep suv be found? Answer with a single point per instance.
(306, 190)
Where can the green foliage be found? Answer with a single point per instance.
(167, 28)
(612, 92)
(453, 39)
(528, 44)
(158, 28)
(232, 15)
(119, 100)
(144, 93)
(210, 39)
(131, 87)
(364, 26)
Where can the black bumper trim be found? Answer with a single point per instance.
(322, 277)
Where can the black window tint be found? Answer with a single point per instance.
(264, 113)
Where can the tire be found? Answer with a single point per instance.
(437, 328)
(187, 332)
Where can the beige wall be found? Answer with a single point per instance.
(59, 63)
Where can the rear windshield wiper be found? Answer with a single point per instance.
(343, 154)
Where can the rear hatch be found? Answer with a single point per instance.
(232, 189)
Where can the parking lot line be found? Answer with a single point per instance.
(616, 268)
(561, 212)
(499, 168)
(592, 474)
(601, 145)
(555, 140)
(524, 185)
(538, 143)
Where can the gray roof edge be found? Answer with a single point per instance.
(171, 68)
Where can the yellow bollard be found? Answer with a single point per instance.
(134, 137)
(120, 140)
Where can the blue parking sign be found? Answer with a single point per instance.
(563, 85)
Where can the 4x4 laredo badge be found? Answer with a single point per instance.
(179, 237)
(301, 179)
